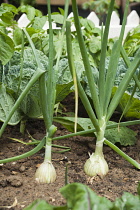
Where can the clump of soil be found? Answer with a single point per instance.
(17, 178)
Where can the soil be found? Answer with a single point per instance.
(17, 182)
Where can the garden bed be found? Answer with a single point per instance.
(34, 81)
(17, 178)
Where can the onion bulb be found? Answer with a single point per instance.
(45, 173)
(96, 165)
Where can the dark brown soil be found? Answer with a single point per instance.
(17, 178)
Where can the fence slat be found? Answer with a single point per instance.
(133, 19)
(115, 20)
(93, 17)
(23, 21)
(46, 26)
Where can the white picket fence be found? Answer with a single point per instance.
(133, 21)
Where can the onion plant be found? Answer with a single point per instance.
(47, 87)
(101, 93)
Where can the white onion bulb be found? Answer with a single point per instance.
(96, 165)
(46, 172)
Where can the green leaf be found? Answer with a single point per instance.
(64, 75)
(123, 135)
(29, 10)
(62, 91)
(30, 105)
(127, 201)
(39, 22)
(43, 205)
(7, 17)
(132, 41)
(6, 48)
(17, 36)
(88, 24)
(30, 13)
(68, 123)
(8, 7)
(121, 71)
(81, 197)
(134, 108)
(58, 18)
(95, 44)
(7, 13)
(61, 11)
(6, 104)
(39, 205)
(38, 13)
